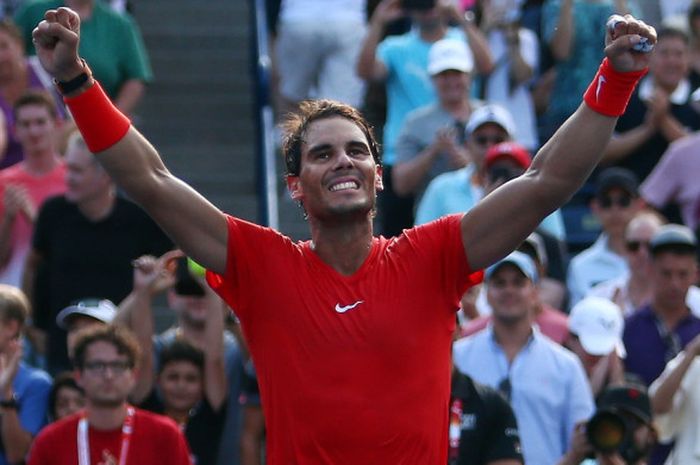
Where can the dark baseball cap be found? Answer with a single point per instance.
(620, 178)
(629, 398)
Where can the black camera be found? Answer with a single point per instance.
(417, 4)
(185, 284)
(621, 411)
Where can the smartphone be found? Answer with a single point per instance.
(185, 284)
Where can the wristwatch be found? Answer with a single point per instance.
(67, 87)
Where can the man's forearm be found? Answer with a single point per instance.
(664, 391)
(483, 62)
(367, 60)
(15, 439)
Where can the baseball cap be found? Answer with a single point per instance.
(100, 309)
(508, 151)
(629, 397)
(491, 113)
(449, 54)
(535, 242)
(520, 260)
(673, 235)
(599, 324)
(620, 178)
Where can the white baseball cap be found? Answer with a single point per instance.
(100, 309)
(449, 54)
(491, 113)
(599, 324)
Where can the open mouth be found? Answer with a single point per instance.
(345, 185)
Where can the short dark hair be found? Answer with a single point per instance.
(62, 380)
(180, 350)
(36, 97)
(296, 125)
(672, 32)
(120, 337)
(14, 304)
(675, 249)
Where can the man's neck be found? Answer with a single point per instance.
(432, 34)
(512, 336)
(342, 246)
(98, 208)
(670, 313)
(84, 8)
(616, 243)
(106, 418)
(195, 335)
(40, 163)
(459, 109)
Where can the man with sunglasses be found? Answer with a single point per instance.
(495, 160)
(615, 203)
(545, 384)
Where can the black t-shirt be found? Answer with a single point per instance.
(643, 160)
(487, 424)
(203, 429)
(82, 259)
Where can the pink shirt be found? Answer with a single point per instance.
(39, 188)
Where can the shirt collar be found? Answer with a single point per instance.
(679, 96)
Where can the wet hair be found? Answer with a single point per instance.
(10, 28)
(120, 337)
(14, 305)
(180, 351)
(36, 97)
(62, 380)
(296, 124)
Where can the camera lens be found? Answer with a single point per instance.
(606, 431)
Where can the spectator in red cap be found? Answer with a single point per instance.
(457, 191)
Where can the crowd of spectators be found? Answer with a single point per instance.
(471, 89)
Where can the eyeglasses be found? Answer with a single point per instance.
(505, 388)
(635, 246)
(117, 367)
(489, 140)
(607, 201)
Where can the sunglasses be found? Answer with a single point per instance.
(505, 388)
(634, 246)
(607, 201)
(489, 140)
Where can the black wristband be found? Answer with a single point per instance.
(67, 87)
(10, 403)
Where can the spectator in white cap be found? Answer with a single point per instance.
(595, 336)
(431, 140)
(488, 125)
(82, 314)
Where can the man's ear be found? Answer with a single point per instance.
(378, 182)
(294, 187)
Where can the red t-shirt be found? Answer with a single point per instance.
(156, 440)
(352, 369)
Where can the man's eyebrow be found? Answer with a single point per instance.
(319, 148)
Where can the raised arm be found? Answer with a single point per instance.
(151, 276)
(369, 67)
(502, 220)
(215, 385)
(189, 219)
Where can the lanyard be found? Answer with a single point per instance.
(84, 445)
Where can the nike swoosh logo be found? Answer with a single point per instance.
(599, 86)
(345, 308)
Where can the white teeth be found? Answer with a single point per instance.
(343, 186)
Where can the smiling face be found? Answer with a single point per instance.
(338, 176)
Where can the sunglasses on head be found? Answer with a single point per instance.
(607, 201)
(634, 246)
(505, 388)
(489, 140)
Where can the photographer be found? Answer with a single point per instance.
(619, 433)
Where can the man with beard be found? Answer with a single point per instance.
(350, 333)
